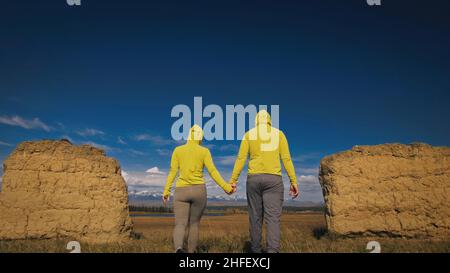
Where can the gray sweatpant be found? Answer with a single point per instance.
(265, 194)
(189, 204)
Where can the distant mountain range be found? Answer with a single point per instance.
(153, 198)
(140, 196)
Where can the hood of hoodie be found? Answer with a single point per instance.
(195, 135)
(263, 117)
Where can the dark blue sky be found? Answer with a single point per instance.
(343, 73)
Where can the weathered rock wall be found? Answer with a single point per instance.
(55, 189)
(392, 189)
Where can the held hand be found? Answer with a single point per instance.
(166, 199)
(294, 192)
(233, 189)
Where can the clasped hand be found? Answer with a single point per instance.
(233, 188)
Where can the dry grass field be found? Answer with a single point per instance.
(301, 232)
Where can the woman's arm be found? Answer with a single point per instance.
(174, 165)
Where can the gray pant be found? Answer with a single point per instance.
(265, 194)
(189, 204)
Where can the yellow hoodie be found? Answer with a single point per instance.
(190, 159)
(266, 146)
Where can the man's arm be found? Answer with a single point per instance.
(174, 165)
(288, 166)
(286, 159)
(241, 159)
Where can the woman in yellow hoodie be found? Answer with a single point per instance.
(190, 191)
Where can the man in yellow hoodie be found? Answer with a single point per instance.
(190, 192)
(266, 145)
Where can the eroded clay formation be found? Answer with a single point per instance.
(55, 189)
(392, 190)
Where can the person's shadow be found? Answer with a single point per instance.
(319, 232)
(204, 248)
(247, 247)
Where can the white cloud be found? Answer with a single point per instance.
(163, 152)
(134, 152)
(34, 123)
(141, 182)
(5, 144)
(61, 126)
(90, 132)
(308, 171)
(100, 146)
(121, 141)
(225, 160)
(310, 179)
(142, 179)
(156, 140)
(310, 189)
(68, 138)
(155, 171)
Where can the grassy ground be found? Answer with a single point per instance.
(301, 232)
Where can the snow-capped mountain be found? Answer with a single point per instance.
(153, 197)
